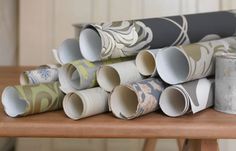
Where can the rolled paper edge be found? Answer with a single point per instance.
(80, 97)
(24, 80)
(56, 56)
(141, 62)
(163, 106)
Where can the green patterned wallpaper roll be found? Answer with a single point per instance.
(31, 99)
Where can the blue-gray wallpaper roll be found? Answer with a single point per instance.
(126, 38)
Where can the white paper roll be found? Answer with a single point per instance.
(110, 76)
(146, 62)
(67, 52)
(192, 96)
(85, 103)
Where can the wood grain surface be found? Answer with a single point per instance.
(208, 124)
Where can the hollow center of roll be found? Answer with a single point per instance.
(172, 65)
(172, 102)
(14, 106)
(108, 78)
(69, 51)
(73, 106)
(145, 63)
(124, 101)
(73, 78)
(90, 44)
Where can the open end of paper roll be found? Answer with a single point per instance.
(108, 78)
(172, 65)
(73, 78)
(145, 63)
(172, 102)
(13, 105)
(90, 44)
(69, 51)
(73, 106)
(124, 102)
(24, 79)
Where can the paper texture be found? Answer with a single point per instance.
(81, 74)
(146, 62)
(112, 75)
(194, 61)
(225, 83)
(42, 74)
(135, 99)
(67, 52)
(192, 96)
(31, 99)
(127, 38)
(85, 103)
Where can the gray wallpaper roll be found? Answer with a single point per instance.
(127, 38)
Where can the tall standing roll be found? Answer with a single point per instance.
(225, 83)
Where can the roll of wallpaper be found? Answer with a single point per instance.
(81, 74)
(192, 97)
(127, 38)
(146, 62)
(135, 99)
(67, 52)
(42, 74)
(194, 61)
(112, 75)
(85, 103)
(31, 99)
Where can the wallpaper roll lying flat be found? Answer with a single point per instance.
(42, 74)
(85, 103)
(81, 74)
(67, 52)
(192, 96)
(194, 61)
(127, 38)
(135, 99)
(146, 62)
(112, 75)
(31, 99)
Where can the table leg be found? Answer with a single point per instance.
(180, 143)
(201, 145)
(150, 144)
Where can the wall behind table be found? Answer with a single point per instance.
(44, 24)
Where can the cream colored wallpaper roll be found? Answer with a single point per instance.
(146, 62)
(110, 76)
(31, 99)
(193, 96)
(85, 103)
(68, 51)
(135, 99)
(194, 61)
(42, 74)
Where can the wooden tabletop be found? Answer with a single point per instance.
(206, 124)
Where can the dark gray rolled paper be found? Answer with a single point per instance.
(127, 38)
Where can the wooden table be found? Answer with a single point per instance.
(201, 130)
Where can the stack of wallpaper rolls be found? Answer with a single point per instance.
(130, 67)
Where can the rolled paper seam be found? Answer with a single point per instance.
(81, 74)
(31, 99)
(43, 74)
(112, 75)
(194, 61)
(67, 52)
(135, 99)
(225, 83)
(127, 38)
(192, 96)
(146, 62)
(85, 103)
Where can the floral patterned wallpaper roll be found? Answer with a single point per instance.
(194, 61)
(31, 99)
(127, 38)
(132, 100)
